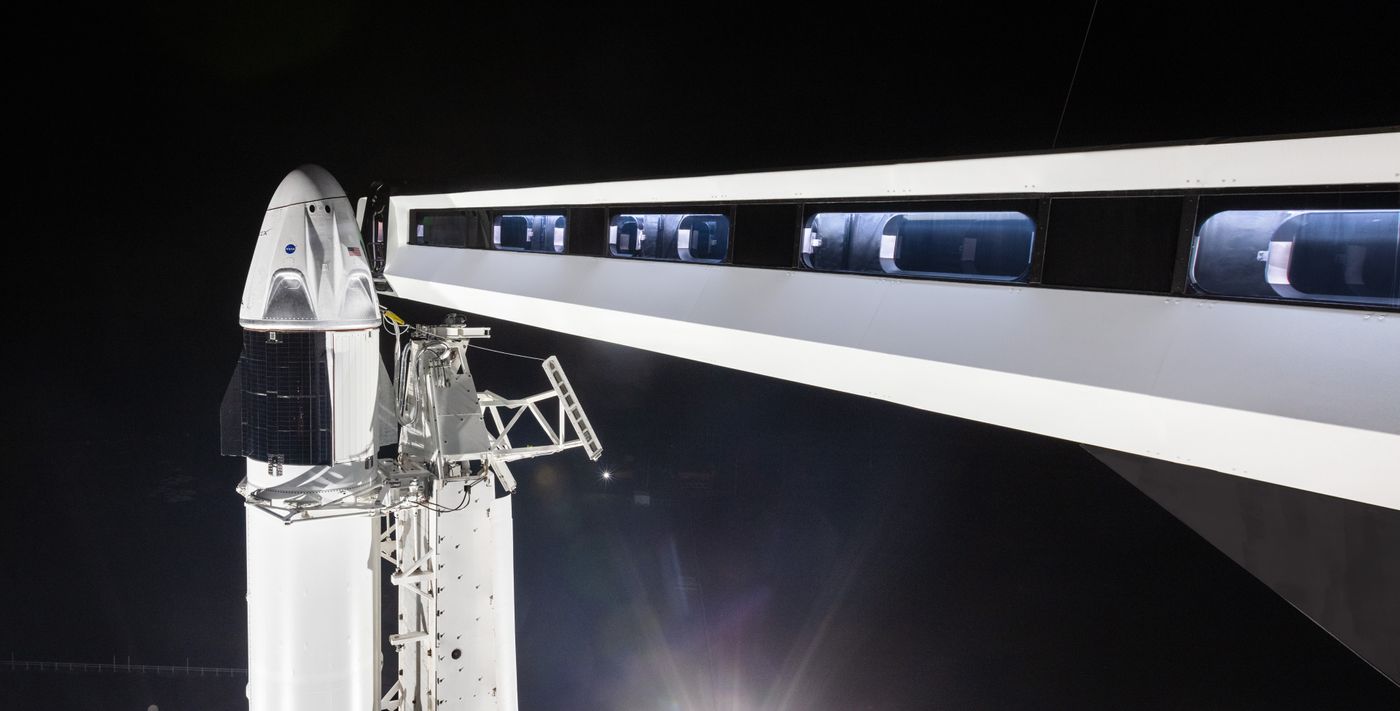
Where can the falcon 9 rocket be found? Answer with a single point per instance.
(308, 378)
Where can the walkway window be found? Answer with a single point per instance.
(529, 233)
(445, 228)
(965, 245)
(678, 237)
(1348, 256)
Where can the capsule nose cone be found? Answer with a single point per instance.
(309, 271)
(308, 183)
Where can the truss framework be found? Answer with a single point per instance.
(437, 502)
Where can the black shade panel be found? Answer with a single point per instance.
(1119, 243)
(588, 231)
(766, 234)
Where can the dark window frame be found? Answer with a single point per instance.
(1296, 197)
(1028, 205)
(1198, 204)
(727, 209)
(495, 213)
(473, 216)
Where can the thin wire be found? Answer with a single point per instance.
(493, 350)
(1075, 75)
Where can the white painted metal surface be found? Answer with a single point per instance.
(308, 271)
(313, 614)
(1296, 396)
(1333, 160)
(466, 627)
(354, 363)
(503, 601)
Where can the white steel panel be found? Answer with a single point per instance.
(468, 586)
(313, 604)
(1302, 397)
(354, 362)
(1371, 158)
(503, 601)
(1327, 365)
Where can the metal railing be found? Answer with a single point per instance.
(115, 667)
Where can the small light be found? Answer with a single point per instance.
(607, 475)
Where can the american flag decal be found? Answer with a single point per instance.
(354, 251)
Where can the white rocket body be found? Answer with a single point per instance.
(309, 375)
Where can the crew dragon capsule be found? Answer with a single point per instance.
(301, 409)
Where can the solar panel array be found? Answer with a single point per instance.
(286, 397)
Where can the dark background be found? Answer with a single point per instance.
(803, 549)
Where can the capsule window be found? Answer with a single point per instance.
(965, 245)
(679, 237)
(529, 233)
(1346, 256)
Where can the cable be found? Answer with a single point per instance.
(466, 498)
(393, 324)
(493, 350)
(1075, 75)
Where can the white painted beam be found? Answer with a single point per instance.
(1301, 397)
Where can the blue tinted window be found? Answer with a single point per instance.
(1349, 256)
(677, 236)
(976, 245)
(529, 233)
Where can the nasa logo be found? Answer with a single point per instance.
(291, 248)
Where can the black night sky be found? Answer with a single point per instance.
(803, 549)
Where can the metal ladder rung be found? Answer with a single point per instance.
(572, 409)
(408, 637)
